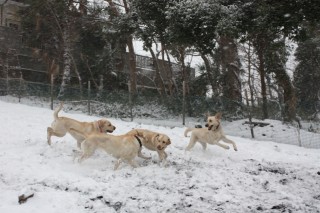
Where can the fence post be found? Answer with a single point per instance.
(7, 77)
(20, 82)
(130, 100)
(51, 92)
(249, 114)
(89, 92)
(184, 103)
(299, 135)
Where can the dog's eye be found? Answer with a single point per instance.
(163, 142)
(210, 120)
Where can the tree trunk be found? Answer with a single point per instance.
(67, 61)
(132, 56)
(158, 79)
(289, 96)
(249, 74)
(185, 77)
(132, 66)
(209, 70)
(230, 64)
(171, 77)
(262, 73)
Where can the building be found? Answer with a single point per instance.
(9, 16)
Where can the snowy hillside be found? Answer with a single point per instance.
(262, 176)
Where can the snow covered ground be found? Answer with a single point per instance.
(262, 176)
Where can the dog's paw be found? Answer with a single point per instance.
(164, 163)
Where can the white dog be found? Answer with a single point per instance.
(211, 135)
(61, 126)
(153, 141)
(122, 147)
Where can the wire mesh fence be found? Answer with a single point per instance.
(150, 105)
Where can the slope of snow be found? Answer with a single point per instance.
(262, 176)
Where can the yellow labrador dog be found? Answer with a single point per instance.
(211, 135)
(153, 141)
(122, 147)
(61, 126)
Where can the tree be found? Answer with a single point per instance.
(49, 26)
(125, 26)
(276, 58)
(307, 73)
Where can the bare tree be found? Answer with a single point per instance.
(132, 56)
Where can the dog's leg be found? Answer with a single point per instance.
(142, 156)
(87, 150)
(85, 155)
(192, 142)
(51, 132)
(230, 142)
(164, 161)
(222, 145)
(165, 155)
(161, 155)
(79, 142)
(204, 145)
(162, 158)
(76, 154)
(117, 164)
(133, 163)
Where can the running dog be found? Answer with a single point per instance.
(210, 135)
(61, 126)
(153, 141)
(122, 147)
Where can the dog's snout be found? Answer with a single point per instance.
(206, 125)
(114, 127)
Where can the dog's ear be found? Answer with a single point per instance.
(218, 116)
(101, 123)
(156, 137)
(168, 142)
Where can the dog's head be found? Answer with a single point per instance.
(161, 141)
(213, 122)
(105, 126)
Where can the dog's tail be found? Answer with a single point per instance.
(57, 110)
(74, 131)
(187, 131)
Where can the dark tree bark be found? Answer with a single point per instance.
(260, 45)
(159, 81)
(230, 64)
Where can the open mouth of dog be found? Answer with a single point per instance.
(110, 131)
(160, 148)
(210, 127)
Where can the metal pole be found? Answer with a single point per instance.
(184, 103)
(51, 92)
(249, 114)
(89, 92)
(130, 100)
(20, 85)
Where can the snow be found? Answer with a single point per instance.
(263, 176)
